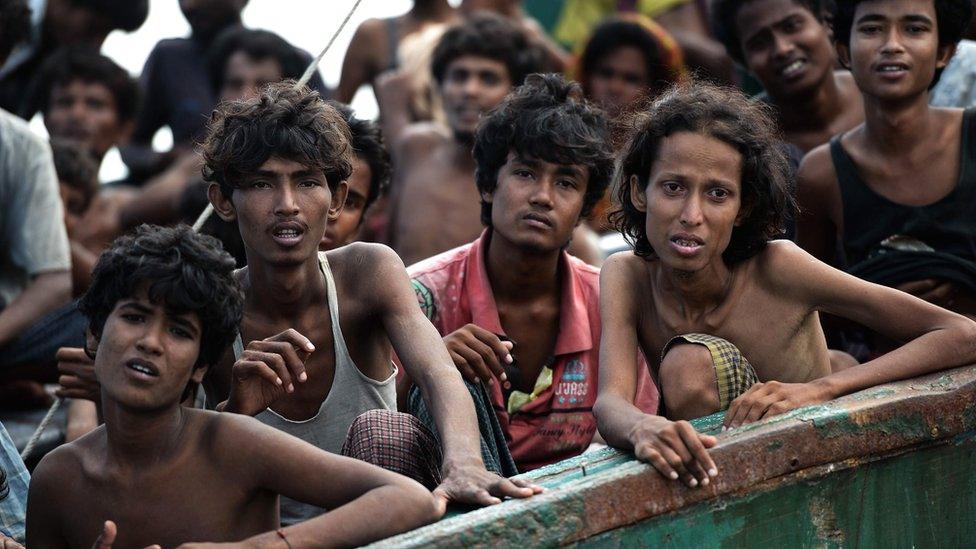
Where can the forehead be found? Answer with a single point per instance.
(688, 153)
(527, 159)
(625, 56)
(240, 62)
(756, 16)
(285, 166)
(895, 9)
(477, 63)
(82, 87)
(140, 299)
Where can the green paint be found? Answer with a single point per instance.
(774, 445)
(911, 425)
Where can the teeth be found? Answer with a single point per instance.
(793, 67)
(143, 369)
(890, 68)
(687, 243)
(287, 232)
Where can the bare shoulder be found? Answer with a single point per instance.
(364, 268)
(782, 265)
(817, 169)
(64, 465)
(623, 272)
(368, 35)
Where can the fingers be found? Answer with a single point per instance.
(504, 487)
(290, 358)
(523, 483)
(440, 501)
(492, 364)
(739, 408)
(696, 445)
(648, 454)
(107, 537)
(244, 369)
(462, 365)
(72, 354)
(501, 349)
(294, 338)
(475, 362)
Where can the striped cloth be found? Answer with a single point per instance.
(733, 372)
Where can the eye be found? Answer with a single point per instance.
(792, 24)
(133, 318)
(490, 79)
(260, 184)
(671, 187)
(718, 193)
(180, 332)
(916, 29)
(566, 183)
(522, 172)
(309, 183)
(869, 29)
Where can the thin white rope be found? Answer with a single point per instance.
(40, 429)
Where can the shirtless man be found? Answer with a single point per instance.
(164, 306)
(516, 311)
(904, 182)
(278, 165)
(703, 189)
(785, 44)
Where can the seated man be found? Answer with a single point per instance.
(368, 182)
(516, 311)
(78, 183)
(725, 316)
(899, 191)
(785, 44)
(163, 306)
(278, 165)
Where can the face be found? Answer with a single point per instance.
(894, 48)
(244, 76)
(209, 17)
(784, 45)
(74, 23)
(342, 231)
(74, 206)
(619, 79)
(86, 112)
(472, 85)
(537, 204)
(281, 210)
(692, 200)
(146, 354)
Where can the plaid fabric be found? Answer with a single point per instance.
(733, 372)
(397, 442)
(13, 506)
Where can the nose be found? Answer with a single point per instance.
(151, 341)
(287, 201)
(691, 212)
(471, 86)
(542, 193)
(892, 42)
(782, 46)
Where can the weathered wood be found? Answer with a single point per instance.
(772, 473)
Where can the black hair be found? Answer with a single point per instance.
(256, 44)
(546, 118)
(185, 271)
(368, 145)
(76, 168)
(952, 20)
(724, 114)
(615, 33)
(69, 64)
(14, 25)
(126, 15)
(724, 13)
(493, 37)
(284, 121)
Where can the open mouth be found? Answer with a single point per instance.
(142, 368)
(686, 245)
(892, 70)
(794, 69)
(288, 233)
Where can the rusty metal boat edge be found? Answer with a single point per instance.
(606, 490)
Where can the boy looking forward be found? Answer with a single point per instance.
(703, 189)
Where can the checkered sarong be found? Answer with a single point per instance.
(733, 373)
(397, 442)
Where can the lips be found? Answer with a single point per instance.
(288, 233)
(142, 368)
(891, 69)
(686, 244)
(538, 220)
(793, 69)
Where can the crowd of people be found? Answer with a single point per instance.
(796, 180)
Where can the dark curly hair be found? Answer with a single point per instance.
(76, 168)
(952, 20)
(125, 15)
(368, 145)
(70, 64)
(545, 118)
(491, 36)
(185, 271)
(724, 12)
(724, 114)
(615, 33)
(256, 44)
(14, 25)
(283, 121)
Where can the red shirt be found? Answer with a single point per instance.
(454, 290)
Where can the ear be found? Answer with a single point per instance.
(91, 344)
(221, 204)
(944, 54)
(338, 200)
(198, 374)
(638, 196)
(487, 197)
(843, 54)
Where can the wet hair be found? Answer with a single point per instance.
(952, 20)
(546, 118)
(724, 12)
(728, 116)
(493, 37)
(14, 25)
(70, 64)
(369, 146)
(76, 168)
(186, 272)
(256, 44)
(126, 15)
(284, 121)
(615, 33)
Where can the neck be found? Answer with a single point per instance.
(517, 274)
(696, 292)
(463, 157)
(284, 291)
(896, 127)
(814, 109)
(139, 437)
(427, 10)
(207, 38)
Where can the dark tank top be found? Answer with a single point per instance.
(948, 225)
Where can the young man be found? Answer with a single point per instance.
(898, 191)
(516, 311)
(163, 307)
(703, 189)
(278, 166)
(785, 44)
(367, 183)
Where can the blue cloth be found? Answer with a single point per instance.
(38, 345)
(13, 507)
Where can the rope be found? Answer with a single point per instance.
(40, 429)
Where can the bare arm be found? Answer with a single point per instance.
(82, 264)
(393, 95)
(45, 293)
(357, 66)
(44, 502)
(673, 448)
(817, 225)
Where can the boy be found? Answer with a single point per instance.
(278, 166)
(163, 307)
(898, 191)
(703, 189)
(368, 182)
(786, 45)
(516, 311)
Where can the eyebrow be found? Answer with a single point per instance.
(913, 18)
(173, 317)
(278, 175)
